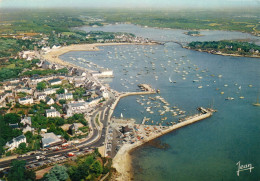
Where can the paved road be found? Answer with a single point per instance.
(97, 139)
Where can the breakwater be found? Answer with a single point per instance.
(123, 167)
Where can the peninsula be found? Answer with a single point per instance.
(226, 48)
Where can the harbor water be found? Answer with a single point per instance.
(209, 149)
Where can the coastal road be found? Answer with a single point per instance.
(95, 140)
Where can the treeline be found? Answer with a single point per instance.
(11, 46)
(13, 67)
(230, 47)
(45, 72)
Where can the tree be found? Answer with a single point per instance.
(62, 101)
(41, 86)
(30, 175)
(96, 168)
(17, 171)
(60, 91)
(12, 118)
(57, 173)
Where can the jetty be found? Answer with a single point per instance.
(146, 133)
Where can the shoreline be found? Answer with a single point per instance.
(222, 54)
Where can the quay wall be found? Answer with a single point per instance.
(170, 129)
(125, 95)
(122, 160)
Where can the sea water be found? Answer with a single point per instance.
(208, 149)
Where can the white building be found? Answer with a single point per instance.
(15, 142)
(76, 107)
(94, 101)
(26, 90)
(26, 121)
(56, 81)
(28, 128)
(26, 100)
(52, 113)
(41, 96)
(50, 91)
(49, 101)
(50, 139)
(66, 96)
(106, 72)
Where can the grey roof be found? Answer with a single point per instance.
(77, 104)
(24, 98)
(50, 110)
(49, 138)
(54, 80)
(48, 99)
(19, 138)
(27, 120)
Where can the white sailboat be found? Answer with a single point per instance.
(121, 115)
(170, 80)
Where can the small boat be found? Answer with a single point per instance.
(230, 98)
(170, 80)
(241, 97)
(239, 88)
(221, 92)
(200, 87)
(257, 101)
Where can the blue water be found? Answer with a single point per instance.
(209, 149)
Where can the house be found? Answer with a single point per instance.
(15, 142)
(50, 91)
(56, 81)
(78, 83)
(25, 89)
(9, 87)
(79, 78)
(50, 139)
(46, 65)
(2, 104)
(65, 96)
(80, 72)
(49, 101)
(26, 121)
(28, 128)
(52, 112)
(41, 96)
(94, 101)
(25, 100)
(76, 107)
(10, 99)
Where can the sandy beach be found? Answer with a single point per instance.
(53, 55)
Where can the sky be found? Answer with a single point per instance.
(128, 3)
